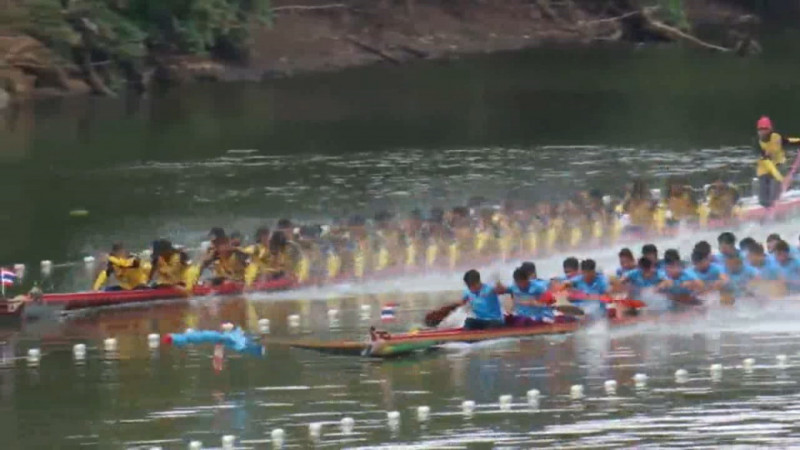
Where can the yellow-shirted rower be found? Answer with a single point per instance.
(169, 266)
(771, 156)
(268, 258)
(127, 270)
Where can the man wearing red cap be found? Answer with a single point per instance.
(772, 156)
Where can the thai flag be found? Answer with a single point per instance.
(387, 312)
(7, 277)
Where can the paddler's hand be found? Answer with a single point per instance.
(562, 298)
(666, 284)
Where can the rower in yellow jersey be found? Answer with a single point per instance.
(127, 270)
(771, 156)
(268, 257)
(229, 263)
(169, 266)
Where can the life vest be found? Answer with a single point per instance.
(333, 264)
(641, 212)
(772, 155)
(682, 206)
(721, 201)
(231, 267)
(128, 272)
(431, 252)
(411, 255)
(170, 271)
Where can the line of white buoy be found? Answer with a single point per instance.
(278, 437)
(34, 356)
(347, 424)
(263, 326)
(505, 402)
(366, 313)
(315, 431)
(468, 408)
(228, 442)
(79, 352)
(153, 341)
(110, 345)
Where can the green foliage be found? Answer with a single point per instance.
(676, 13)
(126, 29)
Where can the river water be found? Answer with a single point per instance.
(542, 124)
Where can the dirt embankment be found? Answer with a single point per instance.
(325, 35)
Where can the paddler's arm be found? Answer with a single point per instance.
(724, 280)
(666, 284)
(693, 285)
(153, 265)
(102, 277)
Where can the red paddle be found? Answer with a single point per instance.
(578, 295)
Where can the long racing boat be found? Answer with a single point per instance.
(748, 211)
(381, 344)
(92, 299)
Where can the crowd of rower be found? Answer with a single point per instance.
(450, 239)
(735, 270)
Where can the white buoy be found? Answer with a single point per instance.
(110, 345)
(263, 326)
(34, 355)
(227, 327)
(423, 413)
(228, 442)
(294, 321)
(781, 360)
(716, 372)
(611, 387)
(366, 312)
(576, 392)
(468, 407)
(505, 402)
(640, 381)
(88, 260)
(46, 267)
(533, 396)
(748, 364)
(314, 430)
(195, 445)
(681, 376)
(333, 317)
(148, 253)
(393, 416)
(79, 352)
(153, 341)
(19, 270)
(347, 424)
(277, 436)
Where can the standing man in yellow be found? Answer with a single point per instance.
(772, 156)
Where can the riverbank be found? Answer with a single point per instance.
(322, 36)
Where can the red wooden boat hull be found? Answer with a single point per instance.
(11, 309)
(89, 299)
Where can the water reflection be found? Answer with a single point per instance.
(174, 395)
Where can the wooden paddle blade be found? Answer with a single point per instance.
(435, 317)
(569, 310)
